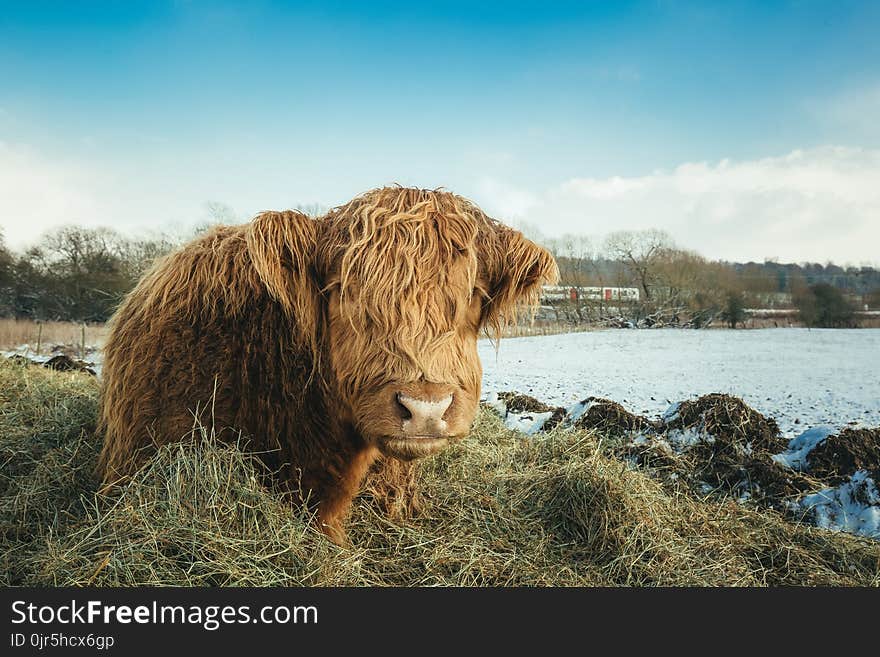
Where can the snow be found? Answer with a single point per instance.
(684, 439)
(671, 413)
(492, 401)
(26, 351)
(575, 411)
(803, 378)
(795, 457)
(94, 356)
(527, 423)
(852, 507)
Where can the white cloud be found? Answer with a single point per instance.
(507, 200)
(32, 189)
(39, 192)
(819, 204)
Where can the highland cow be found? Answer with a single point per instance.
(327, 343)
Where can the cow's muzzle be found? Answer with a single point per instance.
(410, 420)
(423, 417)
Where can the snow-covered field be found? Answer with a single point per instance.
(813, 382)
(800, 377)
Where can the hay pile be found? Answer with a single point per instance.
(47, 454)
(497, 509)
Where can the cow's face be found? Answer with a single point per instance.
(409, 279)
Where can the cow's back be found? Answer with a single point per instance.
(199, 342)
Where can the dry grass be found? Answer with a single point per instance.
(499, 510)
(545, 327)
(17, 332)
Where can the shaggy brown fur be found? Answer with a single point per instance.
(302, 334)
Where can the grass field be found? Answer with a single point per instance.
(42, 336)
(15, 333)
(499, 510)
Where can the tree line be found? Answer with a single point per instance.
(680, 286)
(81, 274)
(75, 273)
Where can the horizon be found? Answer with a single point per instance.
(746, 132)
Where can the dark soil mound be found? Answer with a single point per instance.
(60, 363)
(64, 363)
(733, 455)
(655, 455)
(731, 420)
(517, 403)
(842, 454)
(767, 483)
(612, 419)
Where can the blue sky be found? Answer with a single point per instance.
(573, 117)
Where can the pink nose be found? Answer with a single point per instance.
(425, 415)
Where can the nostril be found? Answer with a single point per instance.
(405, 413)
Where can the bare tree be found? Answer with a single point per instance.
(312, 209)
(534, 233)
(577, 250)
(138, 254)
(640, 251)
(81, 270)
(680, 274)
(220, 213)
(6, 261)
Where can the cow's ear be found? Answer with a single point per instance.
(282, 247)
(514, 269)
